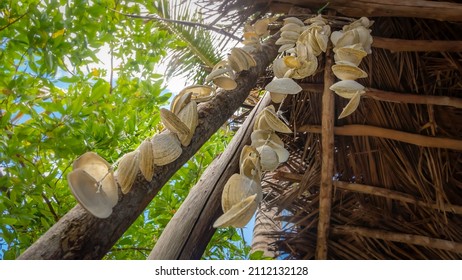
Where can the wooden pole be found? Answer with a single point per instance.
(327, 151)
(373, 131)
(400, 237)
(80, 235)
(401, 45)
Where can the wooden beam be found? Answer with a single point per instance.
(443, 11)
(80, 235)
(377, 191)
(400, 237)
(401, 45)
(373, 131)
(397, 97)
(190, 229)
(327, 151)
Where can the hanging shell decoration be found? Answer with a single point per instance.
(254, 33)
(351, 45)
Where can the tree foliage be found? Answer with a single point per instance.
(57, 101)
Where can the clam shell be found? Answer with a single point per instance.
(127, 169)
(248, 152)
(98, 168)
(166, 148)
(199, 93)
(363, 22)
(261, 123)
(240, 60)
(277, 97)
(279, 67)
(348, 72)
(285, 41)
(291, 35)
(85, 190)
(251, 35)
(274, 122)
(179, 101)
(173, 122)
(268, 158)
(322, 40)
(347, 88)
(353, 54)
(285, 47)
(293, 20)
(308, 68)
(249, 163)
(239, 215)
(225, 83)
(292, 27)
(261, 27)
(351, 106)
(283, 86)
(292, 61)
(237, 188)
(189, 116)
(146, 159)
(317, 20)
(265, 135)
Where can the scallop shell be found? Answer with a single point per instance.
(237, 188)
(127, 169)
(146, 159)
(179, 101)
(189, 116)
(347, 88)
(85, 189)
(199, 93)
(283, 86)
(166, 148)
(98, 168)
(274, 122)
(173, 122)
(268, 158)
(353, 53)
(293, 20)
(239, 215)
(351, 106)
(348, 72)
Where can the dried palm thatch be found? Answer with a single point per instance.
(397, 161)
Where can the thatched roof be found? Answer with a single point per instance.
(397, 161)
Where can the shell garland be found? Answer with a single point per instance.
(351, 45)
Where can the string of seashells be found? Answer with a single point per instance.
(351, 45)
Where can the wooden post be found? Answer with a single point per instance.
(327, 151)
(80, 235)
(190, 229)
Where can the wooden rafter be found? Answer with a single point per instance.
(401, 45)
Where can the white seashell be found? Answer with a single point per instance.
(279, 67)
(199, 93)
(180, 100)
(285, 47)
(166, 148)
(268, 158)
(249, 163)
(292, 62)
(146, 154)
(261, 27)
(317, 20)
(347, 88)
(239, 215)
(127, 169)
(277, 97)
(290, 35)
(173, 122)
(283, 86)
(285, 41)
(85, 190)
(266, 136)
(274, 122)
(293, 20)
(348, 72)
(237, 188)
(189, 116)
(351, 106)
(308, 68)
(354, 54)
(292, 27)
(240, 60)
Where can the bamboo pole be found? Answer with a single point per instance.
(190, 229)
(401, 45)
(377, 191)
(373, 131)
(327, 150)
(400, 237)
(443, 11)
(80, 235)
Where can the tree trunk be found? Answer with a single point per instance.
(264, 230)
(190, 229)
(80, 235)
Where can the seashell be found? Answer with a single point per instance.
(225, 83)
(189, 116)
(363, 22)
(309, 40)
(322, 40)
(291, 35)
(353, 54)
(284, 86)
(180, 100)
(268, 158)
(347, 88)
(292, 27)
(266, 136)
(261, 123)
(292, 61)
(285, 47)
(277, 97)
(317, 20)
(349, 37)
(351, 106)
(166, 148)
(348, 71)
(87, 192)
(237, 188)
(239, 215)
(285, 41)
(146, 155)
(240, 60)
(249, 48)
(308, 68)
(127, 169)
(251, 35)
(365, 38)
(173, 122)
(279, 67)
(274, 122)
(248, 152)
(301, 50)
(249, 163)
(335, 36)
(261, 27)
(222, 75)
(98, 168)
(293, 20)
(199, 93)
